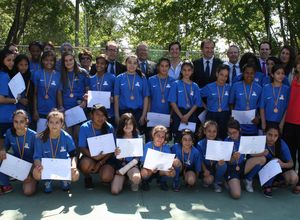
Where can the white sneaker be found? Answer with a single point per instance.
(217, 188)
(248, 186)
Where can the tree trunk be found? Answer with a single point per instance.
(77, 23)
(281, 24)
(11, 37)
(27, 8)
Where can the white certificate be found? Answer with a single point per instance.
(190, 125)
(252, 144)
(270, 170)
(132, 147)
(218, 150)
(158, 160)
(98, 97)
(158, 119)
(17, 85)
(15, 167)
(202, 116)
(56, 169)
(41, 125)
(74, 116)
(244, 117)
(105, 143)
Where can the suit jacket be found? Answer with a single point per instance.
(120, 68)
(150, 68)
(199, 75)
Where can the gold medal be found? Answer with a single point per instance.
(276, 110)
(219, 109)
(71, 95)
(163, 100)
(46, 96)
(237, 168)
(132, 97)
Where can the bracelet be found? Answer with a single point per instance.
(16, 101)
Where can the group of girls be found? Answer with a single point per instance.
(131, 92)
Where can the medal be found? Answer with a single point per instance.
(162, 89)
(248, 96)
(276, 99)
(47, 86)
(131, 87)
(237, 168)
(163, 100)
(132, 97)
(46, 96)
(71, 95)
(219, 109)
(187, 99)
(220, 98)
(275, 110)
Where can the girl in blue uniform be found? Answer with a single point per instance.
(235, 167)
(25, 99)
(127, 128)
(47, 87)
(190, 161)
(217, 94)
(274, 99)
(20, 139)
(245, 96)
(54, 143)
(213, 171)
(278, 149)
(7, 100)
(184, 98)
(102, 164)
(131, 92)
(75, 84)
(35, 48)
(103, 81)
(159, 87)
(159, 137)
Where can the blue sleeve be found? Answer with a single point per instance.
(7, 140)
(4, 89)
(197, 161)
(199, 148)
(174, 149)
(204, 92)
(117, 87)
(173, 93)
(36, 78)
(198, 100)
(262, 100)
(38, 151)
(145, 149)
(70, 143)
(285, 151)
(113, 80)
(82, 137)
(232, 95)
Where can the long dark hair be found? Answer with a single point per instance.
(186, 63)
(18, 112)
(3, 54)
(126, 117)
(44, 135)
(248, 56)
(64, 71)
(278, 142)
(101, 108)
(274, 69)
(288, 68)
(26, 76)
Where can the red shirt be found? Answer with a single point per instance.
(293, 110)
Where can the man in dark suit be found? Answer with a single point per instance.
(112, 51)
(264, 53)
(146, 66)
(205, 67)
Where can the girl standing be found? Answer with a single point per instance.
(184, 98)
(217, 94)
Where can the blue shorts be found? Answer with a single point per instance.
(233, 173)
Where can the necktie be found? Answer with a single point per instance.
(263, 69)
(207, 69)
(143, 67)
(112, 69)
(233, 72)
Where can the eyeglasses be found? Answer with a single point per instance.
(85, 58)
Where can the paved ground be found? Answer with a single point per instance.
(188, 204)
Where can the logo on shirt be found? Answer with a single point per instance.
(214, 94)
(256, 79)
(180, 90)
(137, 84)
(281, 97)
(41, 80)
(62, 149)
(26, 146)
(154, 86)
(105, 83)
(226, 93)
(122, 84)
(53, 83)
(168, 86)
(254, 94)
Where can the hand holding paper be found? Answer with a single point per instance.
(156, 160)
(17, 85)
(132, 147)
(270, 170)
(104, 143)
(218, 150)
(56, 169)
(252, 144)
